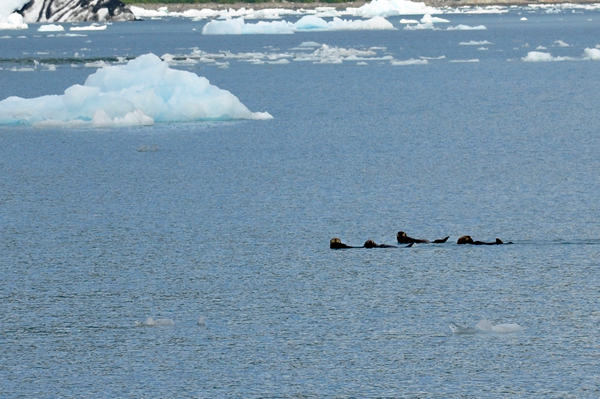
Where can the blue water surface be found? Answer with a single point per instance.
(231, 221)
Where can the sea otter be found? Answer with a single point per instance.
(336, 243)
(404, 239)
(469, 240)
(372, 244)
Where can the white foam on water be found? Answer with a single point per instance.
(141, 92)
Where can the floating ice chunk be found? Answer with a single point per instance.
(466, 61)
(523, 19)
(538, 56)
(96, 64)
(541, 48)
(51, 28)
(202, 321)
(151, 322)
(145, 148)
(309, 44)
(421, 27)
(5, 37)
(474, 43)
(23, 69)
(458, 329)
(466, 27)
(591, 54)
(408, 21)
(90, 27)
(560, 43)
(411, 61)
(12, 21)
(428, 19)
(238, 26)
(391, 8)
(485, 326)
(140, 92)
(375, 23)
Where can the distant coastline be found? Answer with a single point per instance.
(180, 7)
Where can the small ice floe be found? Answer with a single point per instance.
(411, 61)
(145, 148)
(152, 322)
(89, 27)
(466, 27)
(591, 54)
(458, 329)
(51, 28)
(484, 326)
(560, 43)
(202, 321)
(523, 19)
(475, 43)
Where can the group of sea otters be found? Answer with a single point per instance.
(402, 238)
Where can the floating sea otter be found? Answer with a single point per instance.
(336, 243)
(404, 239)
(469, 240)
(373, 244)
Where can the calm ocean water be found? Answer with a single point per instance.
(231, 221)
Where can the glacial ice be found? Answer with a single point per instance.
(152, 322)
(10, 19)
(237, 26)
(592, 54)
(391, 8)
(51, 28)
(484, 326)
(141, 92)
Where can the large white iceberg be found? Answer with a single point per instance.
(142, 92)
(237, 26)
(391, 8)
(10, 19)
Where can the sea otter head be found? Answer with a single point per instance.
(370, 244)
(465, 240)
(334, 241)
(401, 234)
